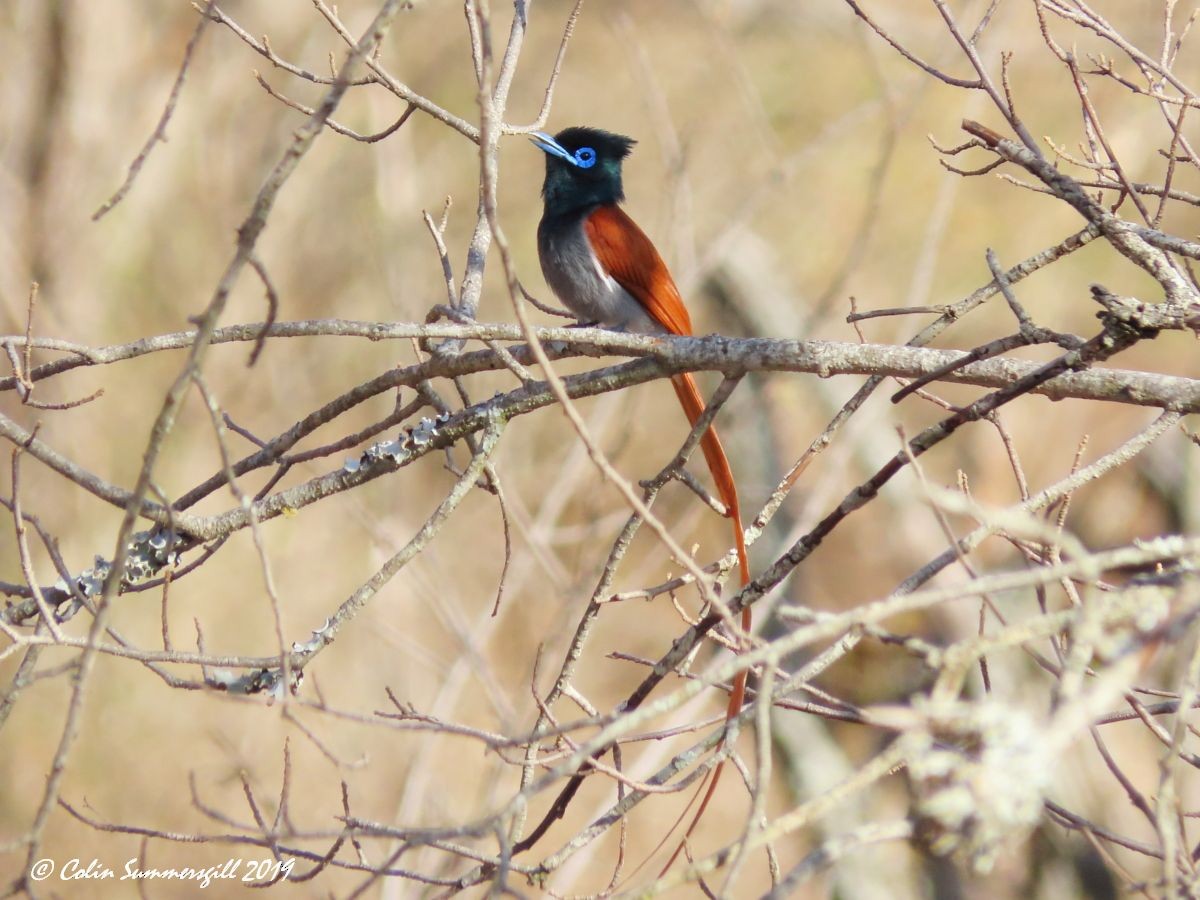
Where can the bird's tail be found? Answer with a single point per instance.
(718, 464)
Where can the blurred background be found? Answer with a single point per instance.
(782, 168)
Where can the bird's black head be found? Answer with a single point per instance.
(583, 168)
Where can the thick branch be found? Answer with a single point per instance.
(676, 354)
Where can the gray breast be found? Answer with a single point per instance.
(580, 282)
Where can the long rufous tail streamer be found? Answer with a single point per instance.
(626, 255)
(718, 465)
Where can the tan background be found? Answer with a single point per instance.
(769, 132)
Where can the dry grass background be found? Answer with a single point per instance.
(769, 132)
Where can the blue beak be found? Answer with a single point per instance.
(547, 144)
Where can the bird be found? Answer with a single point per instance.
(607, 272)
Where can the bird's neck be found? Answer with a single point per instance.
(563, 219)
(564, 197)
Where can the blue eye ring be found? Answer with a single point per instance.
(585, 157)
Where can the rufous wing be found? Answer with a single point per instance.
(629, 257)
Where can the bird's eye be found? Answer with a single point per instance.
(585, 157)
